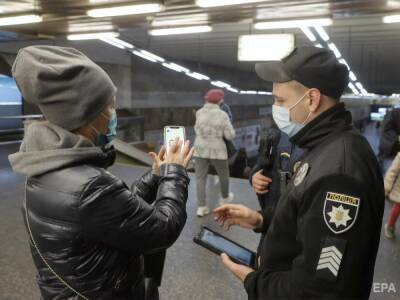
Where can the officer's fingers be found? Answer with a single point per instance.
(228, 262)
(259, 173)
(238, 213)
(221, 221)
(219, 211)
(219, 214)
(265, 178)
(230, 222)
(260, 186)
(262, 192)
(224, 208)
(260, 180)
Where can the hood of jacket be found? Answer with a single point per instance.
(47, 147)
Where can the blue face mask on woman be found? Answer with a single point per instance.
(103, 139)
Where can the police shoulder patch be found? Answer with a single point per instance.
(340, 211)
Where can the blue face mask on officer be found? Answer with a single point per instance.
(281, 117)
(103, 139)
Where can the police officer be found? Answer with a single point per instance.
(323, 239)
(277, 159)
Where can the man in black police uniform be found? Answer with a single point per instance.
(323, 239)
(276, 162)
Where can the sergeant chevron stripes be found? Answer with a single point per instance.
(330, 259)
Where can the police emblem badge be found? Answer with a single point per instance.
(301, 174)
(296, 166)
(340, 211)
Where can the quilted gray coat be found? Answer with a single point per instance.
(212, 126)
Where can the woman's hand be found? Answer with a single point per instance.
(179, 153)
(236, 214)
(157, 160)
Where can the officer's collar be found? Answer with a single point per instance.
(336, 119)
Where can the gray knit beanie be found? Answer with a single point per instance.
(69, 88)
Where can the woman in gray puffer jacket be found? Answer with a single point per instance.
(212, 127)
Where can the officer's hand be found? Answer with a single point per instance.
(240, 271)
(179, 154)
(236, 214)
(157, 160)
(260, 183)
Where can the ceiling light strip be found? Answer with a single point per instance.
(22, 19)
(125, 10)
(178, 68)
(180, 30)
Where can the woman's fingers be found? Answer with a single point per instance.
(175, 145)
(186, 148)
(188, 157)
(153, 156)
(161, 154)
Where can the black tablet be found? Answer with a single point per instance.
(218, 244)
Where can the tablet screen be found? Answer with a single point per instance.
(241, 254)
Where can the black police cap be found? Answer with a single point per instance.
(311, 66)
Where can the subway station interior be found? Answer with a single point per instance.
(164, 57)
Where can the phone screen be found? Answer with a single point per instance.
(171, 133)
(233, 250)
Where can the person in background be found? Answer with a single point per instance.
(389, 144)
(274, 168)
(226, 108)
(392, 191)
(211, 128)
(88, 231)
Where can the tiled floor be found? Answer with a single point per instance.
(190, 271)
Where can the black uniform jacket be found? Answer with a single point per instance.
(323, 239)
